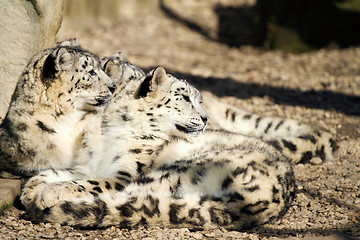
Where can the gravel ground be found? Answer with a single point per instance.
(320, 88)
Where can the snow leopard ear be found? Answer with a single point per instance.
(159, 77)
(151, 84)
(72, 42)
(63, 59)
(110, 67)
(158, 80)
(59, 60)
(118, 55)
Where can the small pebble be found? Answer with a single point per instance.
(316, 161)
(197, 236)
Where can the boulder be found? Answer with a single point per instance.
(25, 28)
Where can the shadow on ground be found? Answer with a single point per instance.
(294, 26)
(326, 100)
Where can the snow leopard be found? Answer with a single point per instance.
(57, 95)
(298, 141)
(161, 168)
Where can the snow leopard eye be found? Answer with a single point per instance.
(186, 98)
(92, 73)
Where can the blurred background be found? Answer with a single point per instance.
(293, 26)
(241, 48)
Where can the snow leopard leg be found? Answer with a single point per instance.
(49, 186)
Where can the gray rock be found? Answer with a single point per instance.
(9, 189)
(25, 28)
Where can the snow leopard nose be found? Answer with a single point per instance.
(112, 88)
(205, 119)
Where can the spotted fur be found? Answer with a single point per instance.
(59, 91)
(160, 169)
(299, 142)
(122, 70)
(147, 162)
